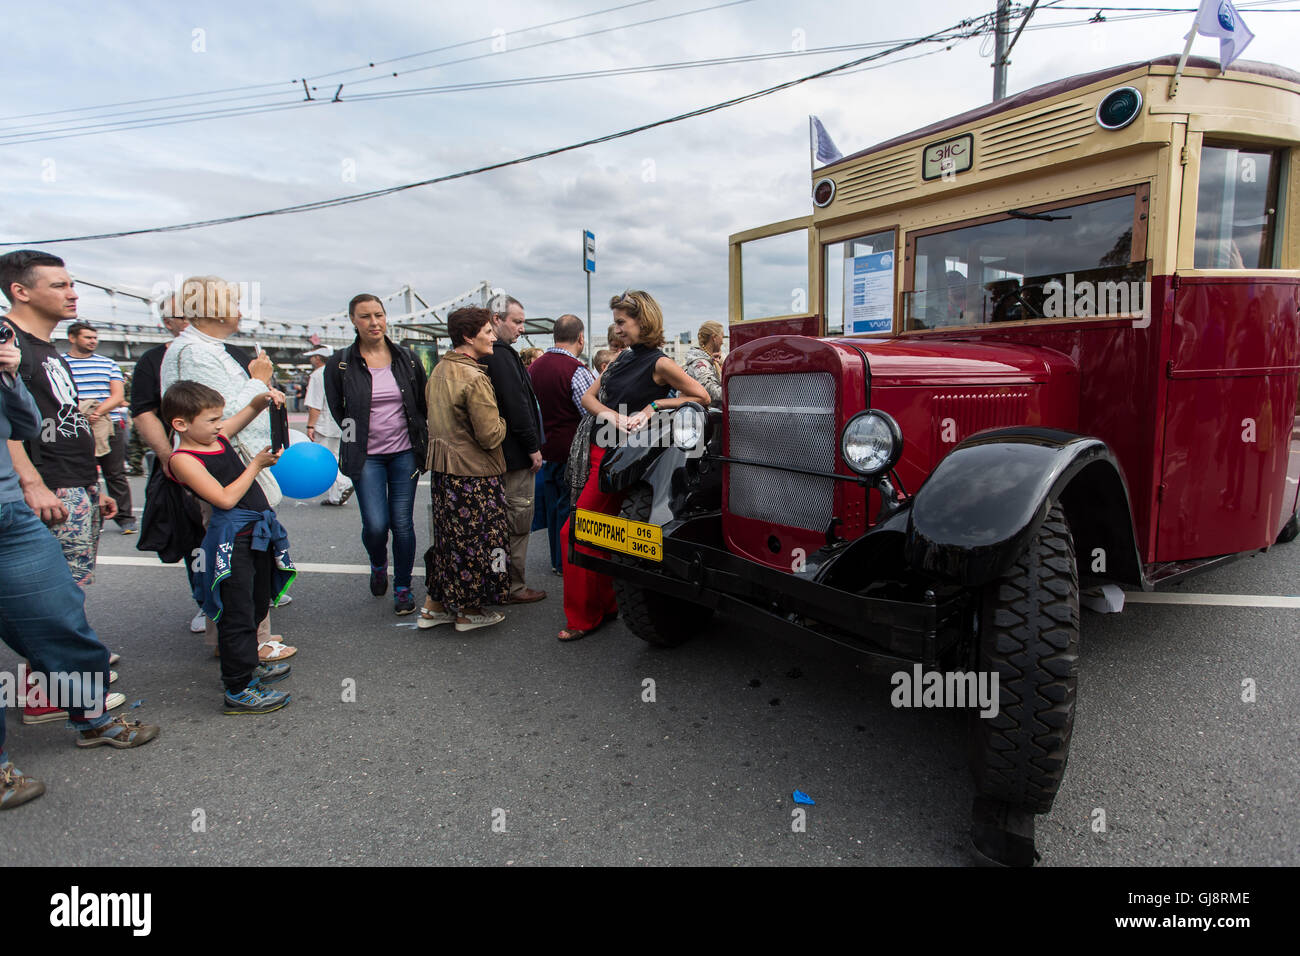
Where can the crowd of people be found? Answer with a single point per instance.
(511, 441)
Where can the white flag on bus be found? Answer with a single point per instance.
(821, 144)
(1220, 19)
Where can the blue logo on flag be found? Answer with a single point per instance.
(1226, 19)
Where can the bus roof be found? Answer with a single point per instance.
(1056, 87)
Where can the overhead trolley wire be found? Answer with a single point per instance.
(27, 133)
(468, 86)
(963, 29)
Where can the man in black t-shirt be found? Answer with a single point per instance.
(57, 470)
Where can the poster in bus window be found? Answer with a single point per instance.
(869, 293)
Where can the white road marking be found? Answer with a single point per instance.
(1131, 597)
(1220, 600)
(305, 568)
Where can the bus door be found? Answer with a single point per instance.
(1234, 369)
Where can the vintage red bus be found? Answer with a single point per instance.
(1045, 345)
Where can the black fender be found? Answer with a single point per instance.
(981, 505)
(680, 481)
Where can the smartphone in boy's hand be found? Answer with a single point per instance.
(279, 427)
(266, 457)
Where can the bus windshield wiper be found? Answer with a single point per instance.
(1021, 214)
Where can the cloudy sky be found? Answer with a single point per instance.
(661, 203)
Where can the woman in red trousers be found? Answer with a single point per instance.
(635, 387)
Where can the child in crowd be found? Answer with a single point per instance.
(244, 564)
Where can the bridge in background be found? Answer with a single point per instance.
(131, 325)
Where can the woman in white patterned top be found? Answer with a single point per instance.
(199, 354)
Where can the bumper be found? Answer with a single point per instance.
(697, 568)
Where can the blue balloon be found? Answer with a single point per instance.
(305, 470)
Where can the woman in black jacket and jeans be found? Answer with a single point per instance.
(375, 390)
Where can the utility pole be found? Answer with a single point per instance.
(1000, 50)
(1002, 54)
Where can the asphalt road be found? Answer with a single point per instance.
(452, 733)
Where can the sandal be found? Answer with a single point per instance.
(275, 638)
(278, 652)
(431, 618)
(576, 634)
(486, 619)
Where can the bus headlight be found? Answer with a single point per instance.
(688, 426)
(871, 443)
(1119, 108)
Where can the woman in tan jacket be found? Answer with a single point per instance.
(467, 563)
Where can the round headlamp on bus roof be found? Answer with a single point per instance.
(871, 443)
(823, 193)
(1119, 107)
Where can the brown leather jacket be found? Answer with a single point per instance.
(465, 428)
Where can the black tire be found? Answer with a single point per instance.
(653, 616)
(1289, 530)
(1029, 636)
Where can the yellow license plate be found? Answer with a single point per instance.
(620, 534)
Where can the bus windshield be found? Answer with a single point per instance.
(1005, 268)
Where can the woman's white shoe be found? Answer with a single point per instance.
(479, 620)
(429, 618)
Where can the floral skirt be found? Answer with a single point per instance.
(468, 563)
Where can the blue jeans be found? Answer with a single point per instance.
(553, 503)
(386, 496)
(42, 611)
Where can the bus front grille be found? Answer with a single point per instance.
(789, 420)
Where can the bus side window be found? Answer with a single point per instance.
(844, 287)
(1236, 208)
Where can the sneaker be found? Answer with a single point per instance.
(118, 732)
(254, 699)
(130, 528)
(284, 600)
(33, 714)
(403, 601)
(112, 677)
(270, 673)
(16, 787)
(347, 493)
(379, 580)
(473, 621)
(199, 623)
(113, 659)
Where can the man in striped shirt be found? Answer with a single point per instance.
(98, 380)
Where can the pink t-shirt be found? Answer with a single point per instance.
(388, 432)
